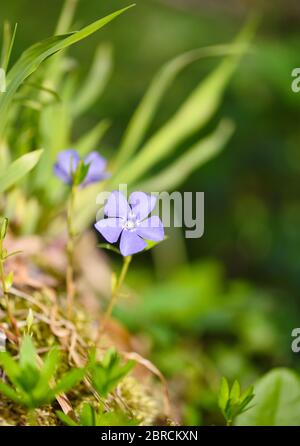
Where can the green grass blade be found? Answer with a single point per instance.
(66, 17)
(35, 55)
(95, 82)
(174, 175)
(193, 115)
(18, 169)
(8, 43)
(144, 114)
(89, 142)
(2, 81)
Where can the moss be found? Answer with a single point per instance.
(133, 397)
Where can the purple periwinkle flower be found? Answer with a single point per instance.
(129, 222)
(67, 164)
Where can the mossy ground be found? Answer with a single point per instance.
(139, 395)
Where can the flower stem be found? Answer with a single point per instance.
(70, 285)
(10, 316)
(116, 289)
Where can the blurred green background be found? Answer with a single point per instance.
(229, 300)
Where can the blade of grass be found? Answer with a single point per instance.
(95, 82)
(18, 169)
(35, 55)
(175, 174)
(8, 43)
(66, 16)
(193, 115)
(88, 142)
(144, 114)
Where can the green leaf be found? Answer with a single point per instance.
(29, 320)
(193, 115)
(223, 394)
(3, 228)
(66, 16)
(18, 169)
(68, 381)
(235, 391)
(111, 358)
(88, 416)
(9, 280)
(65, 419)
(30, 373)
(247, 396)
(196, 156)
(144, 114)
(277, 401)
(11, 367)
(28, 354)
(35, 55)
(81, 172)
(88, 142)
(95, 82)
(8, 43)
(109, 372)
(244, 406)
(10, 393)
(11, 254)
(50, 365)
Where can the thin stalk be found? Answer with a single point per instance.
(115, 292)
(10, 316)
(70, 285)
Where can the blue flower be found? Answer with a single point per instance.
(67, 164)
(129, 222)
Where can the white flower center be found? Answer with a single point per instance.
(129, 224)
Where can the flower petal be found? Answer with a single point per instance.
(151, 229)
(142, 204)
(110, 228)
(68, 161)
(62, 174)
(97, 168)
(116, 205)
(131, 243)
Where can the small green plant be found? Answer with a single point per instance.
(106, 374)
(90, 417)
(232, 402)
(33, 386)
